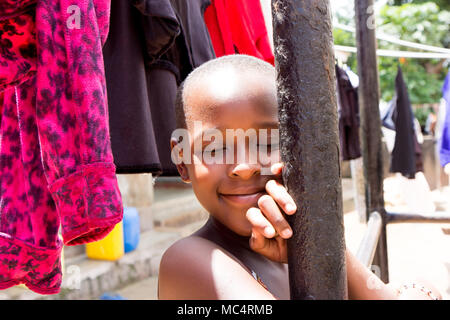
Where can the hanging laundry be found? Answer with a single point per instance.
(406, 156)
(444, 141)
(129, 45)
(353, 77)
(13, 8)
(194, 46)
(191, 49)
(348, 110)
(152, 46)
(387, 113)
(238, 26)
(56, 165)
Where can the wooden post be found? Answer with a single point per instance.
(309, 143)
(368, 93)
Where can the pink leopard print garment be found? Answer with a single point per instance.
(56, 165)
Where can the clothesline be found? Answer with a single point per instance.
(398, 53)
(392, 39)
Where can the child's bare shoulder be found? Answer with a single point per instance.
(185, 271)
(196, 268)
(191, 249)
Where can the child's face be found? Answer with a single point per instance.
(228, 184)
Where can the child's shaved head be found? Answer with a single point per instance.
(222, 79)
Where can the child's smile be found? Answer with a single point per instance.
(243, 198)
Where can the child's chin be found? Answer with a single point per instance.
(244, 230)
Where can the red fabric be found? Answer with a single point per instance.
(237, 26)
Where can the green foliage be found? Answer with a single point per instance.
(421, 115)
(423, 87)
(422, 23)
(443, 4)
(345, 38)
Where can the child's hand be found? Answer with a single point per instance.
(269, 227)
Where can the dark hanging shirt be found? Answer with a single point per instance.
(406, 156)
(348, 109)
(152, 46)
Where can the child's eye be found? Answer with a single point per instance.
(269, 146)
(216, 150)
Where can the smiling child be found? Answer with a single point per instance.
(241, 252)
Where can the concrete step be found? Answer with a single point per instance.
(146, 289)
(178, 210)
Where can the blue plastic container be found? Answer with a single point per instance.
(111, 296)
(131, 229)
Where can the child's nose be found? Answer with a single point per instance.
(245, 170)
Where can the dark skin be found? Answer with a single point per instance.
(247, 229)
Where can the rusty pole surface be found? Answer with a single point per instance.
(310, 147)
(368, 94)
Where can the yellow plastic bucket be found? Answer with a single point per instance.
(109, 248)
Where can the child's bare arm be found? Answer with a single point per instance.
(363, 284)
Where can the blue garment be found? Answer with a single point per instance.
(444, 149)
(111, 296)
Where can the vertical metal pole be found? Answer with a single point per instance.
(371, 123)
(310, 147)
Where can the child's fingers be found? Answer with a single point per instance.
(282, 249)
(260, 223)
(279, 193)
(273, 214)
(277, 168)
(258, 242)
(273, 249)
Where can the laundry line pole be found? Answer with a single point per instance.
(309, 141)
(368, 94)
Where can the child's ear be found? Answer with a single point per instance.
(181, 166)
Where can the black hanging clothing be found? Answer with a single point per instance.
(192, 48)
(152, 46)
(348, 109)
(406, 156)
(194, 35)
(129, 46)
